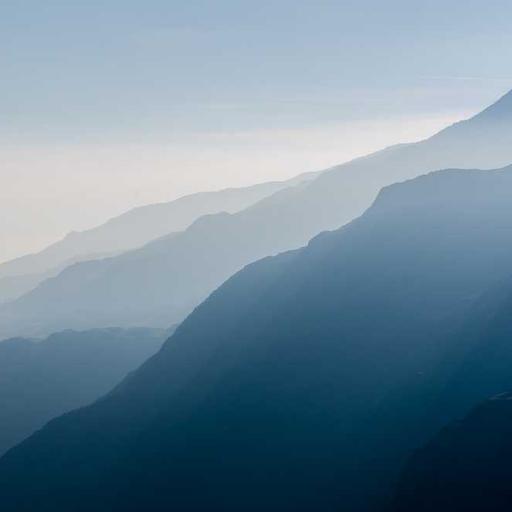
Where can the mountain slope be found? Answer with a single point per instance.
(43, 379)
(12, 287)
(155, 285)
(194, 263)
(132, 229)
(297, 385)
(466, 467)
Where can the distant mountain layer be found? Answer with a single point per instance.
(304, 382)
(128, 231)
(466, 467)
(43, 379)
(12, 287)
(162, 282)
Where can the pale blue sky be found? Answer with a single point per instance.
(117, 68)
(202, 94)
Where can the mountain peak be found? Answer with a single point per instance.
(442, 188)
(499, 111)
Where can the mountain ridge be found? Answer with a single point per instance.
(197, 262)
(465, 467)
(128, 231)
(286, 385)
(40, 379)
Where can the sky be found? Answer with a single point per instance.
(106, 105)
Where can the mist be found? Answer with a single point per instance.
(48, 190)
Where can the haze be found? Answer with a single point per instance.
(105, 106)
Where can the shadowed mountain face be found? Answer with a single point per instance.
(127, 231)
(301, 383)
(158, 287)
(42, 379)
(466, 467)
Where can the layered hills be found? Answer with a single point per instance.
(302, 383)
(162, 282)
(41, 379)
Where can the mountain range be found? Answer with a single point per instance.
(130, 230)
(165, 280)
(465, 467)
(305, 381)
(41, 379)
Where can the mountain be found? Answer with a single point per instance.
(464, 468)
(160, 287)
(466, 465)
(43, 379)
(12, 287)
(479, 364)
(130, 230)
(301, 383)
(156, 285)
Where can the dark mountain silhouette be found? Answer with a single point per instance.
(479, 364)
(161, 287)
(300, 384)
(43, 379)
(130, 230)
(466, 467)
